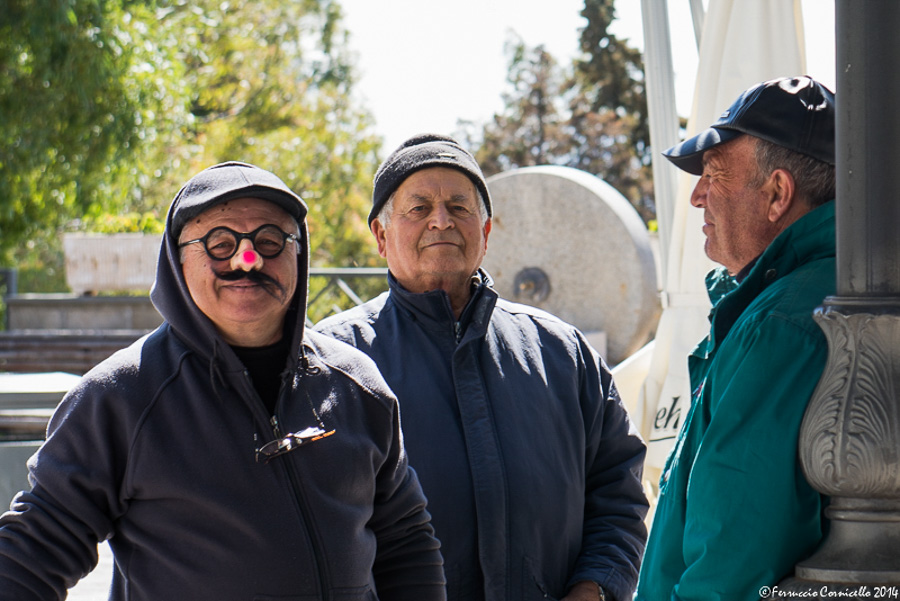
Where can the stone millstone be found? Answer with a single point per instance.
(567, 242)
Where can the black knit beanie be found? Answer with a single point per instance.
(419, 152)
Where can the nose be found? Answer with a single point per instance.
(441, 218)
(698, 196)
(246, 257)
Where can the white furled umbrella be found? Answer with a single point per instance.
(743, 42)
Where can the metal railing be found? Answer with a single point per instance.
(336, 294)
(9, 286)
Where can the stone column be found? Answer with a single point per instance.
(850, 438)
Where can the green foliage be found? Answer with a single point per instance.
(531, 130)
(140, 95)
(609, 115)
(64, 114)
(610, 74)
(590, 115)
(134, 222)
(278, 97)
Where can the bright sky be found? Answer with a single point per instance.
(425, 65)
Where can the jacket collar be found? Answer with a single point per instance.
(810, 238)
(433, 311)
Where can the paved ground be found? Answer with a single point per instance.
(96, 586)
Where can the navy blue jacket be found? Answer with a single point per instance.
(530, 463)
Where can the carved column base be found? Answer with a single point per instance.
(862, 545)
(850, 443)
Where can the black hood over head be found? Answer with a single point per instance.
(170, 294)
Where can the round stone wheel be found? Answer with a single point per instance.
(567, 242)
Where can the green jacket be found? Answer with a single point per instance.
(735, 511)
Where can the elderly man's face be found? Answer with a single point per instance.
(435, 238)
(734, 205)
(246, 312)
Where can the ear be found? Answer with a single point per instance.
(379, 233)
(781, 191)
(487, 231)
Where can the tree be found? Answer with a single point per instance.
(64, 112)
(278, 96)
(609, 118)
(590, 115)
(166, 88)
(610, 74)
(530, 130)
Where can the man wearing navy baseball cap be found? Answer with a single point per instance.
(735, 512)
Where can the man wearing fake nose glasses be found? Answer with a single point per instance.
(242, 282)
(230, 454)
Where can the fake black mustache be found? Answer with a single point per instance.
(272, 286)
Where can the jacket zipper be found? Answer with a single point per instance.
(302, 503)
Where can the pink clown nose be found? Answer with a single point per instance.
(247, 260)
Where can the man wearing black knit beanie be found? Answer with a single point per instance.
(512, 421)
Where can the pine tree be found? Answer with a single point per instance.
(591, 115)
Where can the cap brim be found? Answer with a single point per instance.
(688, 155)
(190, 208)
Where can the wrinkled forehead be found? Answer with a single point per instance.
(438, 182)
(740, 151)
(241, 215)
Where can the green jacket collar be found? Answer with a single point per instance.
(810, 238)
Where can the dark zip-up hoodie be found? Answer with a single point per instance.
(155, 449)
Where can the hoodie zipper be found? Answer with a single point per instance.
(306, 514)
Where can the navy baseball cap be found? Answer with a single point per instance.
(794, 112)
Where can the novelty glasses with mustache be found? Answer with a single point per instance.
(221, 243)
